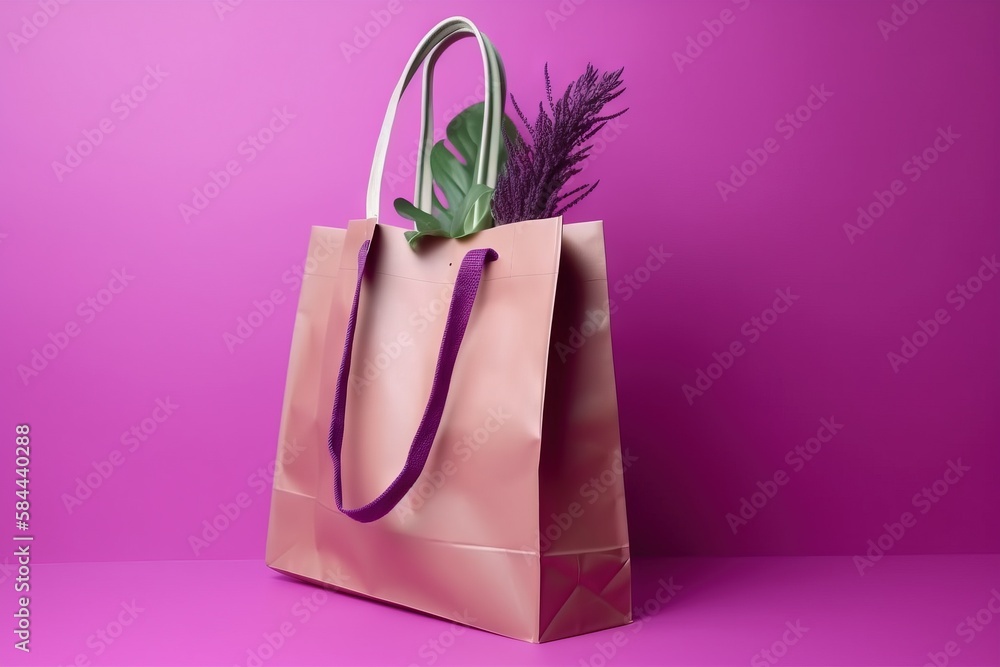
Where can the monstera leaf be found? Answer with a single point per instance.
(466, 209)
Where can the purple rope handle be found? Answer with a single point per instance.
(462, 300)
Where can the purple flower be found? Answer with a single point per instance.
(530, 187)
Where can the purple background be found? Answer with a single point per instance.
(826, 357)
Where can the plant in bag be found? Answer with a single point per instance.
(531, 176)
(468, 203)
(531, 186)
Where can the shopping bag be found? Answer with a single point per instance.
(449, 435)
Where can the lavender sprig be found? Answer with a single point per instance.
(531, 185)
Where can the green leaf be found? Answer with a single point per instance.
(437, 208)
(413, 237)
(466, 209)
(449, 174)
(473, 214)
(465, 132)
(423, 221)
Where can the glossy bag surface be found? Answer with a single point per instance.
(516, 523)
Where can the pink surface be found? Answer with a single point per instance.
(149, 302)
(804, 611)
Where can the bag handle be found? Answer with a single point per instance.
(442, 35)
(462, 300)
(422, 197)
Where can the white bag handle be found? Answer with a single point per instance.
(422, 197)
(431, 46)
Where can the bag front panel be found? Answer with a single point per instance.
(463, 543)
